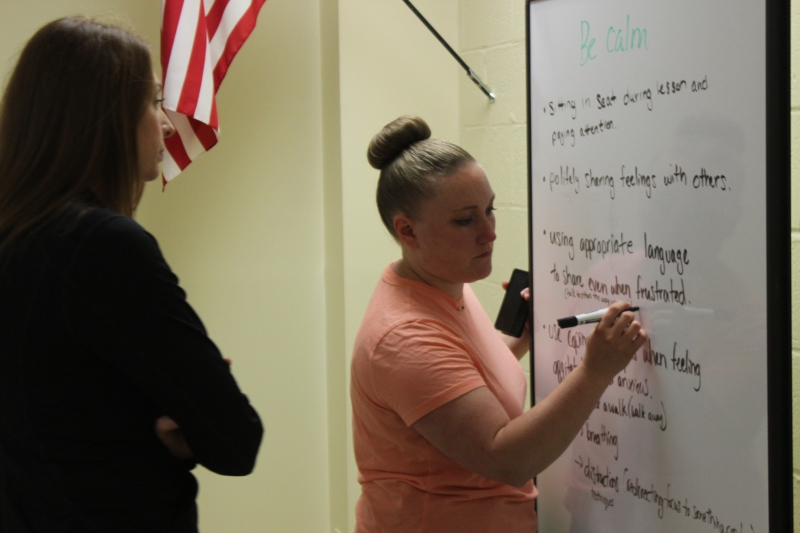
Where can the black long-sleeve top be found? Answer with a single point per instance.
(96, 342)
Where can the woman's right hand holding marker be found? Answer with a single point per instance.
(612, 343)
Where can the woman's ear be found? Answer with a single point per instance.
(404, 229)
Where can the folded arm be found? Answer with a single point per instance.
(126, 306)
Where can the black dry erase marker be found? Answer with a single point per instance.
(588, 318)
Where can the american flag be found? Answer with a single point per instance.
(199, 39)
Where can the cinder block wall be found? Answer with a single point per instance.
(492, 43)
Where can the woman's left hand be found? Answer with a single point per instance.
(169, 432)
(519, 346)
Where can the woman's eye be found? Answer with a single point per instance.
(490, 210)
(464, 221)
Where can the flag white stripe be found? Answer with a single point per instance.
(169, 168)
(181, 53)
(230, 18)
(205, 98)
(184, 130)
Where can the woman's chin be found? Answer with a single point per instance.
(482, 272)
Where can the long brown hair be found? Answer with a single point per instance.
(68, 123)
(412, 165)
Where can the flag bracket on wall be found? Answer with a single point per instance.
(471, 73)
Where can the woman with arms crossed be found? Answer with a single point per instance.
(441, 438)
(110, 389)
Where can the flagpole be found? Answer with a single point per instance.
(474, 77)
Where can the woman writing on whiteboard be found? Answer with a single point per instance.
(441, 438)
(110, 389)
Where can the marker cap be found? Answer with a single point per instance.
(569, 322)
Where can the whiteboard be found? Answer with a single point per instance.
(648, 183)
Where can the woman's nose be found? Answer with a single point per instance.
(167, 126)
(487, 231)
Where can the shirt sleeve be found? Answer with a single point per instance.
(125, 303)
(420, 366)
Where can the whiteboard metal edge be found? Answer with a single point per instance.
(779, 304)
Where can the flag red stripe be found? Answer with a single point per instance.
(214, 122)
(187, 103)
(238, 36)
(205, 133)
(177, 151)
(214, 17)
(169, 27)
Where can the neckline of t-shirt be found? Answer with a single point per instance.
(393, 278)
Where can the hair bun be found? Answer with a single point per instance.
(395, 137)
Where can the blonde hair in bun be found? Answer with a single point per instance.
(412, 165)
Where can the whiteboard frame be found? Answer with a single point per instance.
(778, 223)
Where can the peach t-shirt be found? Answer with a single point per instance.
(416, 350)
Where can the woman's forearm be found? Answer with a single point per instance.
(475, 430)
(530, 443)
